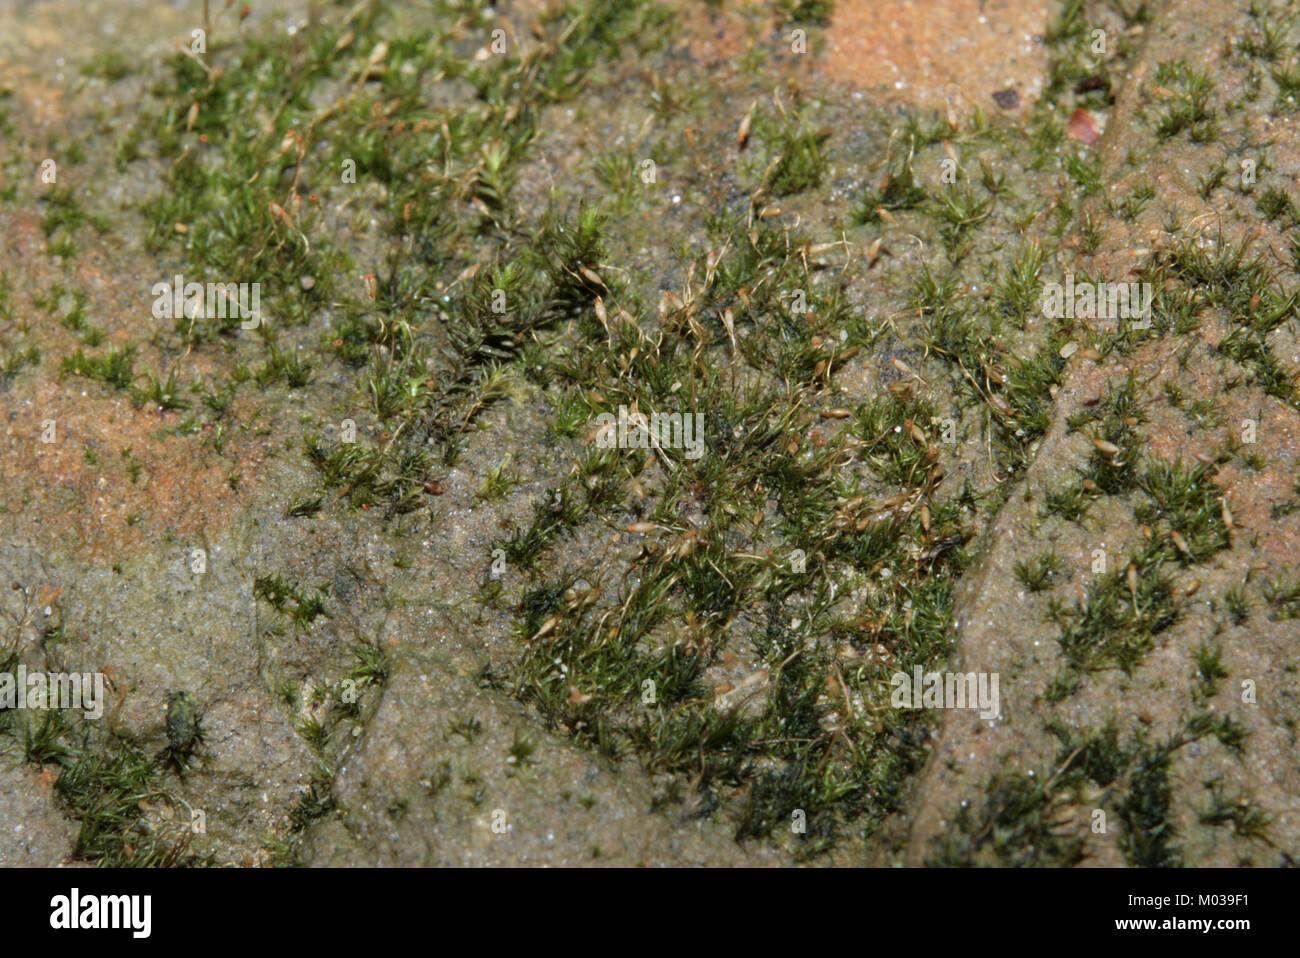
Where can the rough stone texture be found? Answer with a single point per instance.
(1000, 627)
(35, 834)
(109, 555)
(938, 53)
(405, 784)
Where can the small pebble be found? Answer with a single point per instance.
(1007, 99)
(1082, 127)
(306, 282)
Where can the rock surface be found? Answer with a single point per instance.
(375, 691)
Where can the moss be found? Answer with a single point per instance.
(106, 784)
(1189, 105)
(316, 802)
(1266, 36)
(284, 367)
(1021, 819)
(799, 159)
(1037, 574)
(1210, 670)
(62, 211)
(110, 65)
(477, 293)
(1251, 350)
(1020, 822)
(114, 368)
(288, 599)
(1246, 819)
(556, 511)
(1085, 174)
(1283, 596)
(372, 664)
(164, 395)
(816, 12)
(1237, 604)
(1275, 204)
(1115, 624)
(899, 192)
(103, 789)
(1188, 503)
(1148, 836)
(521, 751)
(14, 361)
